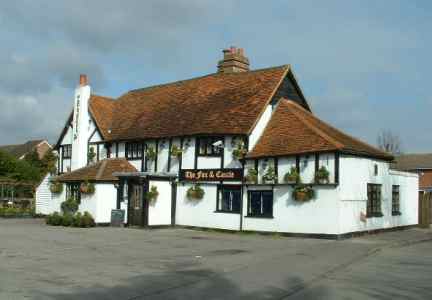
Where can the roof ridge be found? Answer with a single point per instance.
(203, 76)
(325, 136)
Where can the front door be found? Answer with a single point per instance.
(136, 209)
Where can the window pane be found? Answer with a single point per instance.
(255, 203)
(225, 201)
(267, 198)
(236, 198)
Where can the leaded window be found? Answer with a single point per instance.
(374, 200)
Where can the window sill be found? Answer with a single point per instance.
(259, 217)
(396, 213)
(226, 212)
(375, 215)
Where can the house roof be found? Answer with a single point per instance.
(102, 110)
(407, 162)
(219, 103)
(21, 149)
(100, 171)
(294, 130)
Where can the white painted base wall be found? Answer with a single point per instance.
(335, 210)
(160, 209)
(201, 213)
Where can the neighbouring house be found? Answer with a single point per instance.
(21, 150)
(238, 150)
(420, 164)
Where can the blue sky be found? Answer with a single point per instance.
(363, 65)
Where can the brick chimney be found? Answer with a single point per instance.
(83, 80)
(233, 61)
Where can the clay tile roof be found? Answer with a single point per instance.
(294, 130)
(100, 171)
(214, 104)
(102, 110)
(407, 162)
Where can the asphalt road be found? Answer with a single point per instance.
(41, 262)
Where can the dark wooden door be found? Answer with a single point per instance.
(136, 207)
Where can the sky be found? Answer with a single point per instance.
(362, 65)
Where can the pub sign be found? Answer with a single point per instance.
(211, 174)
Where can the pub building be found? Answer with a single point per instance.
(237, 150)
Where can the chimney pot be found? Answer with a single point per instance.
(83, 80)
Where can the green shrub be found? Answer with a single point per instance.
(87, 188)
(48, 219)
(152, 194)
(69, 206)
(56, 187)
(77, 220)
(56, 219)
(87, 220)
(67, 220)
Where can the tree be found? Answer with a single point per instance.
(389, 142)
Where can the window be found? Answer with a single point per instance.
(73, 191)
(260, 204)
(67, 151)
(374, 200)
(134, 150)
(376, 170)
(228, 199)
(206, 147)
(395, 200)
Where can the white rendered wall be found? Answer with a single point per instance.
(106, 201)
(160, 209)
(208, 162)
(188, 158)
(201, 213)
(259, 127)
(229, 161)
(81, 127)
(121, 150)
(307, 168)
(56, 201)
(150, 163)
(318, 216)
(162, 158)
(284, 166)
(67, 138)
(174, 164)
(355, 174)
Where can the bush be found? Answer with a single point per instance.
(76, 222)
(56, 219)
(87, 188)
(69, 206)
(87, 220)
(67, 220)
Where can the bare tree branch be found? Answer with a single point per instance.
(389, 142)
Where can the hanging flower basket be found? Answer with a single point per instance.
(87, 188)
(252, 176)
(56, 187)
(292, 176)
(152, 194)
(176, 151)
(240, 151)
(150, 153)
(270, 176)
(322, 175)
(303, 193)
(91, 155)
(195, 192)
